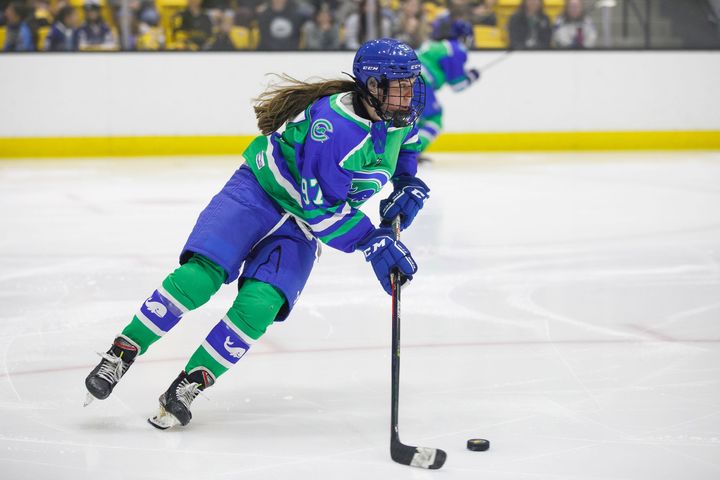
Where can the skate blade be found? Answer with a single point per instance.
(88, 399)
(163, 420)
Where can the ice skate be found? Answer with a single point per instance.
(115, 362)
(175, 402)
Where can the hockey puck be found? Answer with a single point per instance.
(478, 444)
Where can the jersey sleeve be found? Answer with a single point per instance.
(453, 65)
(324, 194)
(407, 159)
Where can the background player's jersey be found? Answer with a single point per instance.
(444, 62)
(327, 162)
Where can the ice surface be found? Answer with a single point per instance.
(567, 308)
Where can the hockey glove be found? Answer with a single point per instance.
(386, 255)
(406, 200)
(473, 75)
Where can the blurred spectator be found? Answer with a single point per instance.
(18, 36)
(3, 6)
(332, 5)
(40, 15)
(306, 8)
(144, 11)
(149, 36)
(433, 8)
(529, 26)
(279, 24)
(95, 34)
(222, 42)
(193, 27)
(457, 10)
(411, 25)
(323, 32)
(368, 22)
(573, 28)
(135, 9)
(246, 12)
(483, 13)
(218, 9)
(63, 34)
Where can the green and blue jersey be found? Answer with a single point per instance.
(326, 162)
(443, 62)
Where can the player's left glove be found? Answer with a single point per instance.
(406, 200)
(473, 75)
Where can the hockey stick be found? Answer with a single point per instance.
(496, 61)
(423, 457)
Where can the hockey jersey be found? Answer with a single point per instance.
(325, 163)
(444, 62)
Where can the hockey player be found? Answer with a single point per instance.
(326, 148)
(443, 59)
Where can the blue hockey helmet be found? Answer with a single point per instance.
(445, 28)
(383, 60)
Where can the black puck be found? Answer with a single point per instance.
(478, 444)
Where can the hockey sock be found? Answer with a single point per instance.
(188, 287)
(255, 308)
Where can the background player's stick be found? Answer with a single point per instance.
(422, 457)
(496, 61)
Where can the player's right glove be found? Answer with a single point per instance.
(407, 199)
(387, 254)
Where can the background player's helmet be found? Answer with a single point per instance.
(445, 28)
(384, 60)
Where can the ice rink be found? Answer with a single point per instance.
(567, 308)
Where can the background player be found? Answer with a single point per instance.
(443, 59)
(326, 148)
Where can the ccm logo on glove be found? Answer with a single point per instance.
(386, 255)
(407, 200)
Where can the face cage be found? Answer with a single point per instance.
(400, 117)
(468, 41)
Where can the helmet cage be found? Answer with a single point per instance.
(390, 108)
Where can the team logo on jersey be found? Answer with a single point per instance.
(320, 130)
(156, 307)
(260, 160)
(234, 351)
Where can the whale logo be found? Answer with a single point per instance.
(156, 308)
(236, 352)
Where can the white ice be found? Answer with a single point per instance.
(567, 308)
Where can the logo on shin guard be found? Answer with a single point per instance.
(156, 308)
(236, 352)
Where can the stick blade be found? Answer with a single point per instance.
(421, 457)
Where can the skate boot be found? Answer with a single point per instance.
(175, 402)
(112, 367)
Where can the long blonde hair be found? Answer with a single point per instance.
(280, 103)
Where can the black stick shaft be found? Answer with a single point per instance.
(395, 379)
(495, 61)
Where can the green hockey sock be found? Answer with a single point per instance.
(255, 308)
(188, 287)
